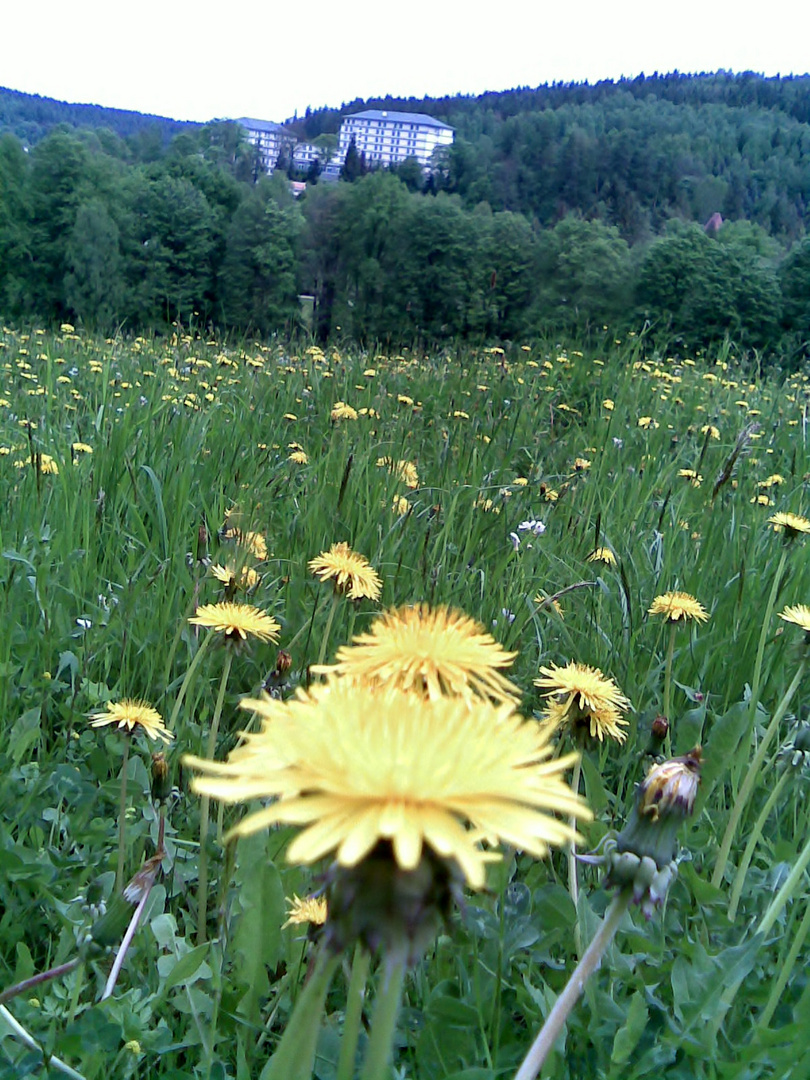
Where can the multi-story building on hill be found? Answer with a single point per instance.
(386, 138)
(269, 137)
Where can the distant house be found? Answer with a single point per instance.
(269, 137)
(304, 153)
(386, 138)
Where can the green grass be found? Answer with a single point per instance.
(99, 574)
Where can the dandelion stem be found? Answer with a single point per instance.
(386, 1010)
(668, 670)
(27, 985)
(354, 1014)
(28, 1040)
(192, 667)
(205, 806)
(328, 628)
(751, 776)
(555, 1021)
(295, 1054)
(753, 840)
(122, 817)
(573, 866)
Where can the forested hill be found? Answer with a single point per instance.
(632, 153)
(30, 117)
(564, 210)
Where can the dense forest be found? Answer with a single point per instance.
(679, 202)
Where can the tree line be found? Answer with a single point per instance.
(92, 231)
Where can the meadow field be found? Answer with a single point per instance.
(552, 496)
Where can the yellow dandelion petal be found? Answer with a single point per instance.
(131, 715)
(433, 652)
(582, 696)
(309, 910)
(351, 573)
(798, 614)
(354, 766)
(793, 524)
(603, 555)
(237, 621)
(675, 606)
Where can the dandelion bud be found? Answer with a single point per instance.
(161, 778)
(660, 728)
(283, 662)
(642, 857)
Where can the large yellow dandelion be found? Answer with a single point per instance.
(351, 573)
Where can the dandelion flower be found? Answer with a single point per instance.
(246, 578)
(237, 621)
(130, 715)
(357, 767)
(311, 910)
(793, 524)
(299, 457)
(437, 653)
(342, 411)
(585, 698)
(403, 470)
(798, 614)
(602, 555)
(675, 606)
(351, 573)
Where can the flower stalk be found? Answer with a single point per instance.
(383, 1026)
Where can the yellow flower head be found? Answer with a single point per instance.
(351, 573)
(342, 411)
(798, 614)
(585, 698)
(246, 578)
(403, 470)
(356, 767)
(603, 555)
(130, 715)
(309, 910)
(675, 606)
(435, 653)
(237, 621)
(793, 524)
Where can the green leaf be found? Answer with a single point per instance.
(628, 1036)
(187, 970)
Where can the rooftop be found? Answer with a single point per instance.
(402, 117)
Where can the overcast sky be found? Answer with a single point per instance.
(196, 60)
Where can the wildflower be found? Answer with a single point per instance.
(299, 457)
(358, 767)
(47, 465)
(799, 614)
(642, 856)
(602, 555)
(771, 481)
(82, 448)
(435, 652)
(400, 505)
(130, 715)
(585, 698)
(342, 411)
(581, 464)
(608, 404)
(309, 910)
(711, 430)
(246, 578)
(536, 528)
(691, 475)
(676, 606)
(237, 621)
(793, 524)
(403, 470)
(352, 573)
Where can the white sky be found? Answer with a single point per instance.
(197, 60)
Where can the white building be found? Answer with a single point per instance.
(387, 138)
(305, 153)
(270, 138)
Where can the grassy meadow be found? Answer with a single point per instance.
(480, 479)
